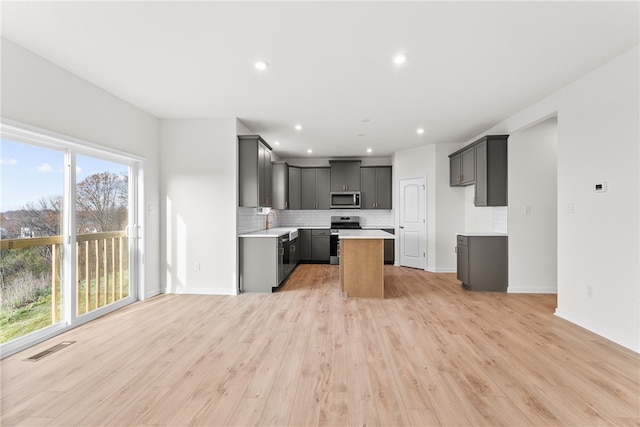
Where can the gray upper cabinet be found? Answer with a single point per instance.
(462, 167)
(345, 175)
(376, 187)
(280, 185)
(254, 171)
(315, 185)
(295, 193)
(483, 163)
(491, 171)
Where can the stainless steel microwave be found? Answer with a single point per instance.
(345, 200)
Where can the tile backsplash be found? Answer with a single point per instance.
(249, 220)
(500, 219)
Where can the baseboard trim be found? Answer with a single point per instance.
(598, 331)
(532, 290)
(201, 291)
(440, 270)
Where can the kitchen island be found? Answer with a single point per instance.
(362, 262)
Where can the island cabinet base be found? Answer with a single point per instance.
(362, 268)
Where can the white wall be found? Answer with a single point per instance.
(533, 209)
(476, 219)
(199, 192)
(598, 233)
(448, 210)
(445, 205)
(39, 93)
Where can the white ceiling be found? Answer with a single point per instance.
(470, 64)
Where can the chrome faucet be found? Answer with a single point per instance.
(266, 221)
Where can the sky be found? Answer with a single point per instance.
(29, 173)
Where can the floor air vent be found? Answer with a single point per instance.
(49, 351)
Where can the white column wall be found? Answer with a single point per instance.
(199, 191)
(533, 236)
(39, 93)
(445, 205)
(598, 233)
(449, 211)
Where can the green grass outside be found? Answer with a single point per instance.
(18, 322)
(21, 321)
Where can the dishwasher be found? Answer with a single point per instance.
(283, 257)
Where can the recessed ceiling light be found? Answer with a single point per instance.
(369, 150)
(298, 127)
(420, 131)
(261, 65)
(277, 143)
(400, 59)
(309, 150)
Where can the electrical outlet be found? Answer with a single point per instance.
(197, 266)
(590, 291)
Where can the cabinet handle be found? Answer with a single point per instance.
(293, 248)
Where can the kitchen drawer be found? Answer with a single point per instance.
(462, 240)
(320, 232)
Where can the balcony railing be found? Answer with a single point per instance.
(101, 268)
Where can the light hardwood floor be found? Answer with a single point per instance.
(428, 354)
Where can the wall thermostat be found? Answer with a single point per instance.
(601, 187)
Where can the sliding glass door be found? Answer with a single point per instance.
(31, 252)
(68, 249)
(102, 230)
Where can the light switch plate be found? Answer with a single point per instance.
(601, 187)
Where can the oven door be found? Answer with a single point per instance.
(333, 248)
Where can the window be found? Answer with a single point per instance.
(68, 249)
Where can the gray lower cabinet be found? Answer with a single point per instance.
(375, 187)
(320, 242)
(266, 262)
(315, 186)
(389, 247)
(304, 244)
(260, 266)
(482, 262)
(314, 245)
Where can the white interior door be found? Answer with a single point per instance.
(413, 223)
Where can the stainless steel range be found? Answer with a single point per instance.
(340, 223)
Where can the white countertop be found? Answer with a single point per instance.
(272, 232)
(365, 234)
(482, 233)
(381, 227)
